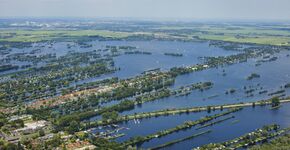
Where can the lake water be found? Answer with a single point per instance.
(246, 120)
(273, 75)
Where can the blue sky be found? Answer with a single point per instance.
(155, 9)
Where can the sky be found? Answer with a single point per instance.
(150, 9)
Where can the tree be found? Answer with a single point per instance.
(41, 132)
(208, 109)
(11, 146)
(73, 127)
(93, 99)
(19, 146)
(275, 101)
(113, 115)
(55, 141)
(20, 122)
(253, 104)
(104, 144)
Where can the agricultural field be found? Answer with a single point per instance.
(278, 35)
(46, 35)
(254, 34)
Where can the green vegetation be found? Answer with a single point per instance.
(226, 33)
(36, 83)
(215, 122)
(275, 102)
(103, 144)
(259, 135)
(167, 112)
(184, 126)
(54, 142)
(4, 145)
(42, 35)
(280, 143)
(7, 67)
(63, 88)
(180, 140)
(111, 115)
(174, 54)
(252, 76)
(235, 33)
(138, 52)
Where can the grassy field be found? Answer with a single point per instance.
(266, 40)
(247, 35)
(241, 34)
(40, 35)
(230, 33)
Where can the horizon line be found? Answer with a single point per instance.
(155, 19)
